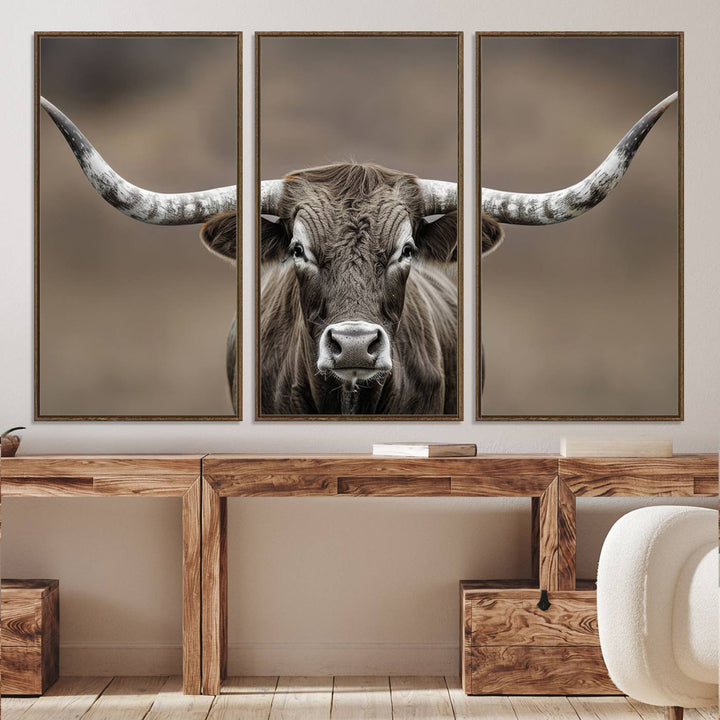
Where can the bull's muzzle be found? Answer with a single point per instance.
(354, 350)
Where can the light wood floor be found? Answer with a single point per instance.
(311, 698)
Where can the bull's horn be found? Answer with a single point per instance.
(144, 205)
(561, 205)
(270, 194)
(438, 196)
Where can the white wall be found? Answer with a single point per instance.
(317, 585)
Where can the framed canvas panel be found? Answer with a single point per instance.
(137, 276)
(359, 226)
(580, 291)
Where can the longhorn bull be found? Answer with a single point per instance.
(363, 320)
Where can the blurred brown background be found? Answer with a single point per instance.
(581, 318)
(389, 100)
(134, 317)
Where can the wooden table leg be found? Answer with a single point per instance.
(191, 590)
(214, 589)
(557, 537)
(535, 539)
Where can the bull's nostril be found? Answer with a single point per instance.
(334, 345)
(374, 345)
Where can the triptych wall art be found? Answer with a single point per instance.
(358, 225)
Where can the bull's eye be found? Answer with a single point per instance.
(408, 251)
(297, 251)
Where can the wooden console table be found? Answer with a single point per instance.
(128, 476)
(206, 481)
(553, 483)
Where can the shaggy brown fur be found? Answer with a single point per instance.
(353, 214)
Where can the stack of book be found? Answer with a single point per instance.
(425, 449)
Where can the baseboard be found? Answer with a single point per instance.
(120, 659)
(357, 658)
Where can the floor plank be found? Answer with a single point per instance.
(604, 708)
(249, 698)
(478, 707)
(68, 699)
(171, 704)
(702, 714)
(126, 698)
(12, 708)
(648, 712)
(657, 712)
(419, 698)
(543, 708)
(313, 698)
(302, 698)
(361, 698)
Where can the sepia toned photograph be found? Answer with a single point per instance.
(137, 167)
(359, 223)
(579, 226)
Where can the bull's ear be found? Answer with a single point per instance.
(492, 235)
(437, 240)
(220, 235)
(273, 240)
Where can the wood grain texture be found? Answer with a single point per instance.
(465, 616)
(395, 486)
(544, 708)
(192, 591)
(47, 487)
(705, 486)
(518, 588)
(50, 466)
(127, 475)
(78, 475)
(214, 589)
(603, 708)
(568, 621)
(20, 620)
(280, 485)
(126, 698)
(249, 698)
(302, 698)
(34, 589)
(68, 699)
(172, 704)
(361, 698)
(527, 670)
(50, 638)
(21, 671)
(416, 698)
(478, 707)
(658, 712)
(557, 546)
(13, 708)
(607, 477)
(29, 630)
(140, 484)
(242, 475)
(535, 538)
(710, 713)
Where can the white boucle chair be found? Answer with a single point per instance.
(657, 603)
